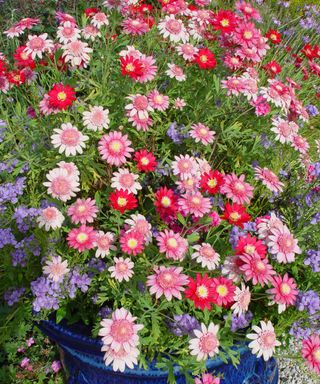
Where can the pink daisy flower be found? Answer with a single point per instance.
(266, 224)
(184, 166)
(234, 85)
(167, 281)
(83, 211)
(277, 93)
(77, 53)
(114, 148)
(194, 203)
(50, 218)
(61, 185)
(172, 244)
(139, 106)
(284, 291)
(71, 169)
(96, 119)
(248, 11)
(67, 32)
(149, 69)
(89, 32)
(311, 352)
(187, 51)
(132, 242)
(121, 358)
(4, 84)
(124, 179)
(56, 269)
(231, 268)
(188, 185)
(284, 130)
(82, 238)
(242, 298)
(157, 101)
(175, 72)
(122, 269)
(223, 291)
(206, 256)
(99, 20)
(120, 331)
(206, 343)
(173, 28)
(179, 103)
(134, 27)
(140, 123)
(104, 243)
(269, 179)
(69, 139)
(300, 144)
(256, 269)
(36, 46)
(14, 31)
(283, 245)
(236, 189)
(201, 133)
(264, 340)
(140, 224)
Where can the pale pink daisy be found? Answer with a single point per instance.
(242, 298)
(231, 269)
(89, 32)
(201, 133)
(269, 179)
(149, 69)
(120, 331)
(206, 343)
(56, 269)
(264, 340)
(99, 19)
(277, 93)
(234, 85)
(14, 31)
(121, 358)
(135, 27)
(122, 269)
(140, 224)
(173, 28)
(236, 189)
(82, 238)
(67, 32)
(179, 103)
(190, 184)
(61, 185)
(4, 84)
(96, 118)
(175, 72)
(77, 53)
(139, 106)
(158, 101)
(36, 46)
(206, 256)
(203, 165)
(184, 166)
(124, 179)
(284, 129)
(140, 123)
(50, 218)
(44, 105)
(172, 244)
(71, 169)
(300, 144)
(284, 291)
(69, 139)
(194, 203)
(187, 51)
(167, 281)
(83, 211)
(104, 243)
(256, 269)
(283, 245)
(265, 224)
(115, 148)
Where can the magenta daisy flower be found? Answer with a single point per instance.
(187, 51)
(193, 203)
(140, 224)
(236, 189)
(269, 179)
(81, 238)
(158, 101)
(172, 244)
(132, 242)
(283, 245)
(256, 269)
(83, 211)
(311, 352)
(122, 269)
(167, 281)
(114, 148)
(284, 291)
(300, 144)
(201, 133)
(134, 27)
(284, 129)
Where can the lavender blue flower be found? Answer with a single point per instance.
(240, 322)
(183, 325)
(7, 238)
(234, 236)
(176, 134)
(313, 259)
(308, 301)
(312, 110)
(9, 192)
(13, 295)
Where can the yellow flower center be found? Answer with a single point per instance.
(224, 22)
(203, 58)
(234, 216)
(172, 243)
(285, 288)
(165, 201)
(122, 201)
(62, 96)
(222, 290)
(202, 291)
(132, 243)
(82, 237)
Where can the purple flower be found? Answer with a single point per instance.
(176, 134)
(13, 295)
(308, 301)
(56, 366)
(234, 236)
(25, 217)
(240, 322)
(312, 110)
(183, 325)
(313, 259)
(7, 238)
(9, 192)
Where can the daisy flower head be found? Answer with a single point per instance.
(223, 291)
(89, 32)
(206, 343)
(77, 53)
(122, 269)
(250, 245)
(132, 242)
(36, 46)
(194, 203)
(122, 200)
(166, 202)
(284, 291)
(172, 244)
(61, 96)
(236, 214)
(104, 243)
(311, 352)
(56, 269)
(264, 340)
(207, 378)
(149, 69)
(224, 21)
(145, 161)
(269, 179)
(242, 298)
(274, 36)
(211, 181)
(50, 218)
(300, 144)
(236, 189)
(120, 359)
(179, 103)
(175, 72)
(115, 148)
(69, 139)
(61, 185)
(96, 118)
(284, 129)
(67, 32)
(205, 59)
(201, 133)
(265, 224)
(184, 166)
(255, 269)
(140, 224)
(83, 211)
(71, 168)
(99, 20)
(247, 10)
(231, 268)
(173, 28)
(158, 101)
(139, 105)
(283, 245)
(135, 26)
(167, 281)
(82, 238)
(187, 51)
(125, 180)
(131, 66)
(200, 291)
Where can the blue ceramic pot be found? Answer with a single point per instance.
(83, 360)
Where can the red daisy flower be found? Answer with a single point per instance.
(61, 96)
(122, 200)
(22, 59)
(274, 36)
(91, 11)
(16, 77)
(145, 160)
(211, 181)
(236, 214)
(205, 59)
(272, 68)
(310, 52)
(223, 291)
(166, 202)
(251, 245)
(131, 67)
(200, 291)
(224, 21)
